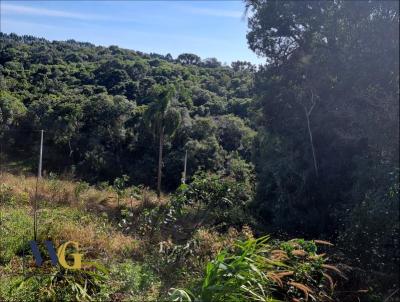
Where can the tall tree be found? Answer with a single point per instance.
(188, 59)
(163, 119)
(327, 149)
(315, 93)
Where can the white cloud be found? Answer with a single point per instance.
(13, 26)
(28, 10)
(214, 12)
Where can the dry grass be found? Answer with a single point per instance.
(69, 193)
(55, 191)
(96, 240)
(98, 243)
(212, 242)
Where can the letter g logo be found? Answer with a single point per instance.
(77, 257)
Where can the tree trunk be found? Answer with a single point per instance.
(312, 144)
(308, 114)
(160, 150)
(184, 168)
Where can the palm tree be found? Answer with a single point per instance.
(163, 119)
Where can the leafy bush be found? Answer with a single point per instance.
(216, 199)
(259, 270)
(193, 254)
(54, 284)
(9, 197)
(80, 188)
(131, 281)
(119, 186)
(6, 195)
(15, 232)
(374, 225)
(11, 289)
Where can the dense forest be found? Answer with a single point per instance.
(92, 102)
(304, 146)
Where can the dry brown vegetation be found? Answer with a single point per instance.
(71, 210)
(96, 240)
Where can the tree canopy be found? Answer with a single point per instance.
(327, 146)
(96, 104)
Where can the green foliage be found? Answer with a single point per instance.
(375, 226)
(325, 152)
(130, 280)
(235, 135)
(328, 131)
(261, 271)
(15, 232)
(11, 110)
(215, 199)
(13, 289)
(188, 58)
(102, 107)
(54, 284)
(120, 186)
(159, 114)
(22, 281)
(80, 188)
(6, 194)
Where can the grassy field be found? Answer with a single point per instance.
(137, 247)
(142, 261)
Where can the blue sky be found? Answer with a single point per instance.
(206, 28)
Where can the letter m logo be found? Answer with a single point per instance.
(38, 256)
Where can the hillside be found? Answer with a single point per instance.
(91, 102)
(291, 191)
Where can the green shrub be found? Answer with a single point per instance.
(13, 290)
(132, 280)
(80, 188)
(216, 198)
(119, 186)
(54, 284)
(15, 232)
(6, 195)
(263, 271)
(374, 225)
